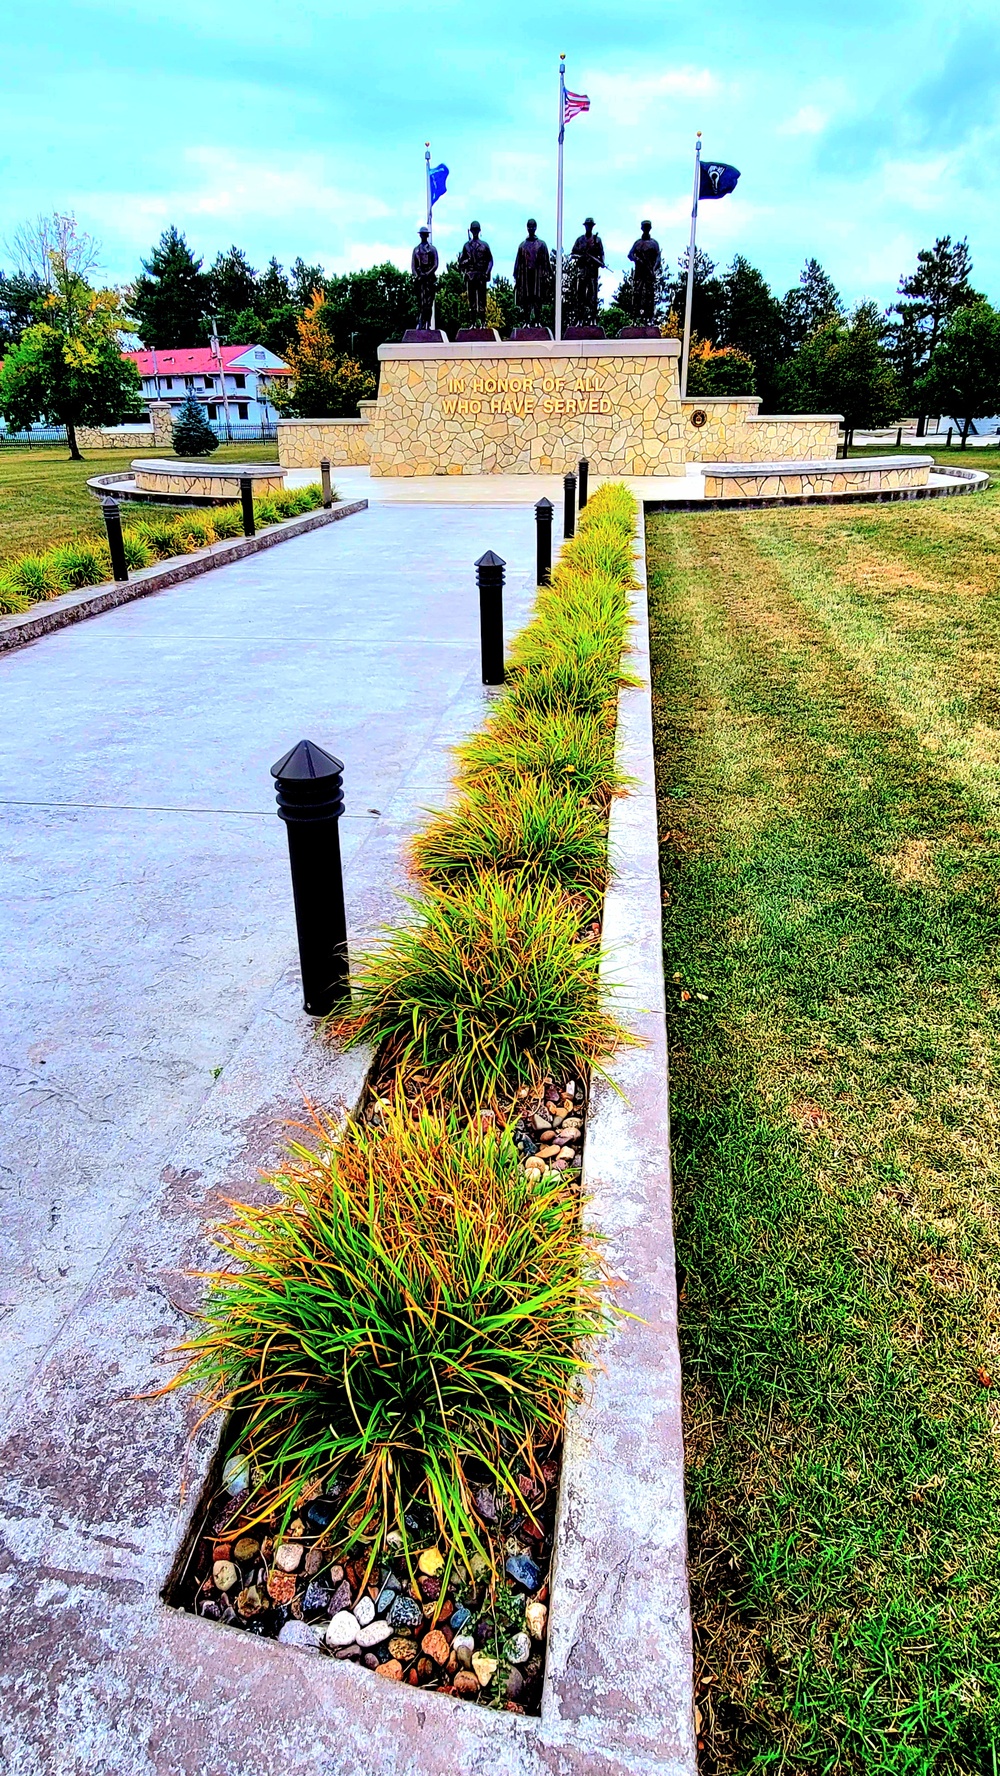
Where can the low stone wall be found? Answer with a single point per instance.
(521, 408)
(303, 443)
(156, 435)
(777, 480)
(190, 480)
(734, 431)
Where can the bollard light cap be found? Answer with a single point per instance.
(306, 762)
(544, 505)
(490, 559)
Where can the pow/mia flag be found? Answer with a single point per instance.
(717, 179)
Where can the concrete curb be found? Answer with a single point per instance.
(969, 481)
(73, 607)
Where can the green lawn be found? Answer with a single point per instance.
(44, 497)
(827, 709)
(986, 458)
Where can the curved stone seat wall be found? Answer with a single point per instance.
(784, 480)
(197, 481)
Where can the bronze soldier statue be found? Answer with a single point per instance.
(423, 266)
(532, 269)
(588, 251)
(475, 262)
(645, 257)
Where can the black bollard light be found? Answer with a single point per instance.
(583, 472)
(116, 542)
(948, 444)
(543, 541)
(309, 786)
(899, 436)
(324, 471)
(246, 500)
(489, 579)
(569, 505)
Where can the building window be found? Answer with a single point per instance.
(170, 382)
(239, 381)
(242, 409)
(209, 381)
(260, 355)
(189, 382)
(213, 411)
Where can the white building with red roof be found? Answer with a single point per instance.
(241, 381)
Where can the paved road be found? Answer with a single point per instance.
(144, 903)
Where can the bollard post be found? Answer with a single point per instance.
(899, 436)
(543, 542)
(583, 471)
(948, 444)
(116, 542)
(309, 786)
(324, 470)
(489, 579)
(246, 500)
(569, 505)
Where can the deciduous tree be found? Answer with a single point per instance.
(963, 378)
(325, 383)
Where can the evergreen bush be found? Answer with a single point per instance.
(192, 435)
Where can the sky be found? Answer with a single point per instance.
(862, 130)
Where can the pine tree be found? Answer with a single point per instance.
(21, 293)
(844, 367)
(964, 374)
(192, 435)
(706, 295)
(816, 300)
(234, 293)
(750, 322)
(171, 296)
(936, 290)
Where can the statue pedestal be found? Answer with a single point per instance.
(584, 332)
(477, 336)
(527, 407)
(639, 333)
(531, 333)
(424, 336)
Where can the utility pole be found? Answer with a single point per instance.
(217, 352)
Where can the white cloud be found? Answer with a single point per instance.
(808, 120)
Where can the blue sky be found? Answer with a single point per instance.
(862, 129)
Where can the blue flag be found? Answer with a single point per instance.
(717, 179)
(439, 182)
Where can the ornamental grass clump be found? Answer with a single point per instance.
(491, 987)
(408, 1321)
(562, 746)
(513, 824)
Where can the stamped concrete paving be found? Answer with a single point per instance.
(145, 913)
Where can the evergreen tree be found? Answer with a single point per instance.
(20, 294)
(192, 435)
(273, 289)
(816, 300)
(706, 296)
(171, 296)
(234, 293)
(844, 367)
(749, 322)
(963, 378)
(305, 281)
(937, 289)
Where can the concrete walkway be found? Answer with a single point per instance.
(145, 909)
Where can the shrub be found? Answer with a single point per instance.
(557, 746)
(35, 577)
(11, 602)
(267, 510)
(491, 987)
(191, 434)
(227, 521)
(194, 532)
(137, 550)
(513, 824)
(159, 533)
(405, 1322)
(81, 564)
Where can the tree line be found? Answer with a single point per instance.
(936, 349)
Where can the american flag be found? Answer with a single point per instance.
(574, 103)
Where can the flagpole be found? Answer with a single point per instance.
(690, 283)
(559, 196)
(430, 211)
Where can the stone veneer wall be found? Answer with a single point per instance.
(734, 432)
(527, 409)
(852, 478)
(156, 435)
(302, 443)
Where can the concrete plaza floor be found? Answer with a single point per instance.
(145, 906)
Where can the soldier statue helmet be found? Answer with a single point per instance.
(588, 251)
(423, 268)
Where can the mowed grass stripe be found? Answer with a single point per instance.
(831, 926)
